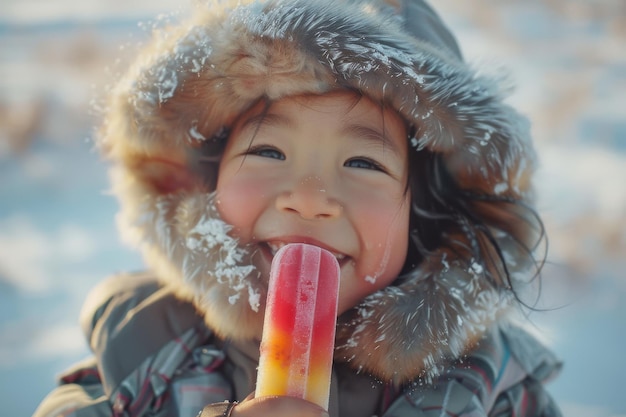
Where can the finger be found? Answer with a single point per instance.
(280, 406)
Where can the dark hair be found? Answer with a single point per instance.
(473, 225)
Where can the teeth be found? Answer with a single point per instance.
(275, 247)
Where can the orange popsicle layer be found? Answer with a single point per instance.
(299, 329)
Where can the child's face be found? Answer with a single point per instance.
(327, 170)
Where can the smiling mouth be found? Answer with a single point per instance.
(274, 247)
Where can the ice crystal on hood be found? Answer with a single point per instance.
(167, 71)
(194, 133)
(210, 238)
(194, 50)
(445, 263)
(271, 24)
(500, 187)
(166, 83)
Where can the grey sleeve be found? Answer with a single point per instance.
(80, 395)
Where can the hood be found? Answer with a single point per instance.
(169, 115)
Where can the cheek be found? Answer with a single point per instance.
(386, 245)
(384, 227)
(384, 231)
(239, 201)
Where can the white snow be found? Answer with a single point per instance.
(194, 133)
(210, 238)
(29, 257)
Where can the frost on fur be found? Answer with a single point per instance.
(184, 239)
(210, 239)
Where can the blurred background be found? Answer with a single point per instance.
(566, 58)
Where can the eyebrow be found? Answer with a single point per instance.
(370, 135)
(265, 118)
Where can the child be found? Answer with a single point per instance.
(352, 125)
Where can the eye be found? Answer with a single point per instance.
(266, 151)
(363, 163)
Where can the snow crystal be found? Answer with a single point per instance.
(445, 263)
(417, 77)
(194, 49)
(427, 114)
(206, 235)
(226, 260)
(167, 82)
(370, 279)
(476, 268)
(194, 133)
(485, 139)
(365, 313)
(254, 299)
(500, 188)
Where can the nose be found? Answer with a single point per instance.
(310, 199)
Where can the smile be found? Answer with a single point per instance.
(275, 246)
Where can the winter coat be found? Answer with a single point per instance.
(154, 356)
(439, 336)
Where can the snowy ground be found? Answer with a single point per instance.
(57, 233)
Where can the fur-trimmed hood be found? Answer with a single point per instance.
(170, 113)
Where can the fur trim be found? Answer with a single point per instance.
(184, 240)
(418, 327)
(199, 77)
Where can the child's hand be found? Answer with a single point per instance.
(277, 407)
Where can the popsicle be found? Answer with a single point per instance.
(299, 328)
